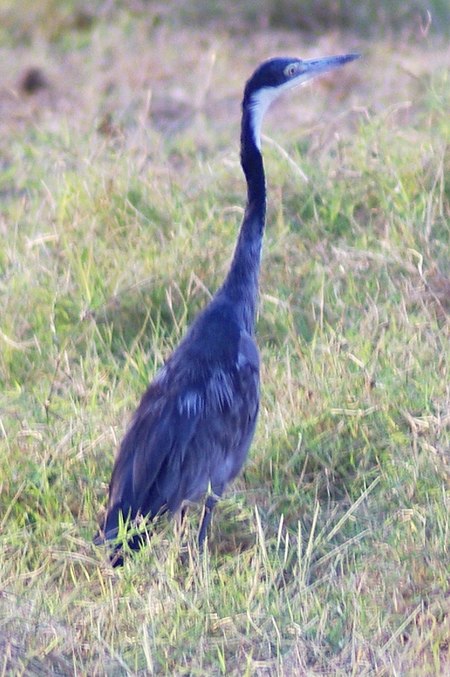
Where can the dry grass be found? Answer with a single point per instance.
(121, 198)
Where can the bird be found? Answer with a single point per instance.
(190, 435)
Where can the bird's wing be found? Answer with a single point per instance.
(158, 435)
(191, 404)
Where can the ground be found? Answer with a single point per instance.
(121, 196)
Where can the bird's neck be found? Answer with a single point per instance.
(242, 281)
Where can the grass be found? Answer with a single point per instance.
(121, 198)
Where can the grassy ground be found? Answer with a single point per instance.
(121, 195)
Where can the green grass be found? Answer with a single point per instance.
(118, 216)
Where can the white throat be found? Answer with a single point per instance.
(259, 103)
(261, 100)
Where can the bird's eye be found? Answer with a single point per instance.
(291, 70)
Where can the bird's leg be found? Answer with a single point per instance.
(210, 502)
(180, 523)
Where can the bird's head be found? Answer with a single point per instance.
(277, 75)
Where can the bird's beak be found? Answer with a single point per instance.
(313, 67)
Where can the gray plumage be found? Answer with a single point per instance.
(191, 432)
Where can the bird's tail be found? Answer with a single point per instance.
(119, 534)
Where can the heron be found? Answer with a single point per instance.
(190, 435)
